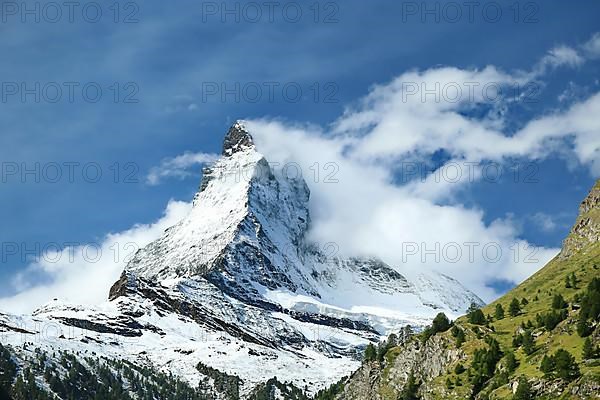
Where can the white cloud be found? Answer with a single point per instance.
(567, 56)
(178, 167)
(83, 274)
(592, 46)
(390, 126)
(561, 56)
(544, 221)
(367, 212)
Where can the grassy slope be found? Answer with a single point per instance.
(549, 281)
(539, 290)
(545, 284)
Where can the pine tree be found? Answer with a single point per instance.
(454, 330)
(499, 314)
(370, 353)
(529, 324)
(449, 384)
(590, 301)
(583, 329)
(472, 307)
(484, 364)
(460, 337)
(568, 284)
(588, 350)
(517, 341)
(558, 302)
(523, 390)
(528, 342)
(410, 389)
(565, 365)
(381, 350)
(511, 362)
(477, 317)
(459, 369)
(514, 308)
(440, 323)
(392, 340)
(547, 365)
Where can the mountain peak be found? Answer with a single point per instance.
(238, 285)
(237, 139)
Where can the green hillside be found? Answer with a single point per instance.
(539, 341)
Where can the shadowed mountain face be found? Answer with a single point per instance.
(236, 287)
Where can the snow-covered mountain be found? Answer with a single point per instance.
(237, 287)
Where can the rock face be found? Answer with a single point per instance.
(363, 384)
(237, 287)
(425, 361)
(550, 389)
(587, 227)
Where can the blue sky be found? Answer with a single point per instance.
(177, 50)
